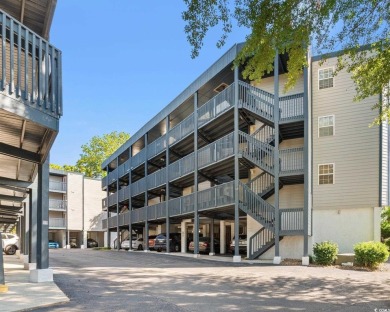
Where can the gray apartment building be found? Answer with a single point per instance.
(231, 158)
(75, 212)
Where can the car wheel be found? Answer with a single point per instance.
(10, 250)
(159, 249)
(140, 247)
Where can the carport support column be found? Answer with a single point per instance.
(108, 217)
(118, 245)
(3, 287)
(236, 257)
(130, 194)
(146, 236)
(32, 225)
(277, 258)
(212, 247)
(222, 237)
(42, 273)
(184, 234)
(196, 215)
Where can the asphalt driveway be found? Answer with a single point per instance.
(138, 281)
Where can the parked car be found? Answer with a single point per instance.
(91, 243)
(242, 244)
(160, 243)
(137, 244)
(152, 239)
(125, 244)
(205, 245)
(53, 244)
(10, 243)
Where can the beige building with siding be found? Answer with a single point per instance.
(74, 209)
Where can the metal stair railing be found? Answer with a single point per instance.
(256, 100)
(260, 242)
(259, 153)
(265, 134)
(262, 184)
(253, 205)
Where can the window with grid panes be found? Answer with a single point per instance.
(326, 174)
(325, 126)
(325, 78)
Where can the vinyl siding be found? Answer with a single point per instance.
(385, 164)
(354, 148)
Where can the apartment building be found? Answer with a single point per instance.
(75, 213)
(30, 110)
(230, 156)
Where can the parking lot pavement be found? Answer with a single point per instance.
(139, 281)
(22, 294)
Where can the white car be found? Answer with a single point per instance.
(137, 243)
(10, 243)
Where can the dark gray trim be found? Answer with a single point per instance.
(196, 214)
(276, 152)
(213, 70)
(337, 53)
(19, 153)
(17, 183)
(236, 166)
(42, 219)
(306, 156)
(23, 110)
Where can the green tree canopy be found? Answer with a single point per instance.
(291, 26)
(98, 149)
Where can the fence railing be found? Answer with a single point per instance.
(157, 178)
(181, 167)
(220, 149)
(57, 186)
(57, 204)
(291, 107)
(138, 158)
(57, 223)
(157, 146)
(291, 160)
(216, 106)
(291, 220)
(30, 69)
(138, 187)
(217, 196)
(181, 130)
(123, 193)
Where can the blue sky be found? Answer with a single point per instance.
(123, 61)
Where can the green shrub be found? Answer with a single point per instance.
(325, 253)
(370, 254)
(387, 243)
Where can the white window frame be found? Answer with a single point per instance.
(318, 85)
(334, 126)
(334, 173)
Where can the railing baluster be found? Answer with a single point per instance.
(47, 75)
(11, 56)
(19, 60)
(26, 37)
(3, 51)
(33, 69)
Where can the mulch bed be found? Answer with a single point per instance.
(381, 268)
